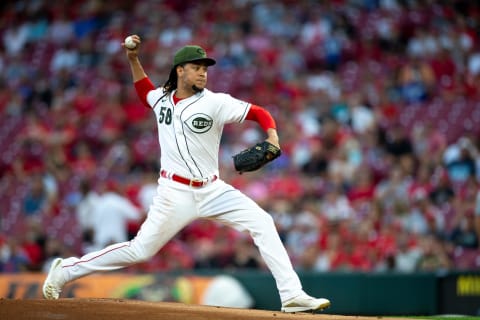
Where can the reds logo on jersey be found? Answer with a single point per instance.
(199, 122)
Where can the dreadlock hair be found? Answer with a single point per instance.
(171, 83)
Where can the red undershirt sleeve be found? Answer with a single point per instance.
(142, 87)
(262, 116)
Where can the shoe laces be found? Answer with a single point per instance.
(53, 289)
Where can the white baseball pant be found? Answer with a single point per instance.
(176, 205)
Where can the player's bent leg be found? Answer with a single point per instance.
(244, 214)
(293, 298)
(268, 240)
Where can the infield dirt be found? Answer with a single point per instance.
(112, 309)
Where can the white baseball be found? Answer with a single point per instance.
(129, 43)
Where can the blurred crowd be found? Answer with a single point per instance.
(377, 104)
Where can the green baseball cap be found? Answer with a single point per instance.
(192, 53)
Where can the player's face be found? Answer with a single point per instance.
(192, 75)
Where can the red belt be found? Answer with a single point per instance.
(189, 182)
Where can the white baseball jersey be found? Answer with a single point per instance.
(189, 132)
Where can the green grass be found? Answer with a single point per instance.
(447, 317)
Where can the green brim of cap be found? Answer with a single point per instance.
(207, 61)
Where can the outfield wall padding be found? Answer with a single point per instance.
(368, 294)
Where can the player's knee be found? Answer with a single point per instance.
(264, 227)
(268, 219)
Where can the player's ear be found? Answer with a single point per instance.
(180, 68)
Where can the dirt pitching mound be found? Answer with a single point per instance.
(112, 309)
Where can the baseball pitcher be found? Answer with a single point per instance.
(190, 121)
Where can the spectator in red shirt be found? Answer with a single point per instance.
(362, 191)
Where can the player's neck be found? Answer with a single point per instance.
(182, 94)
(176, 99)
